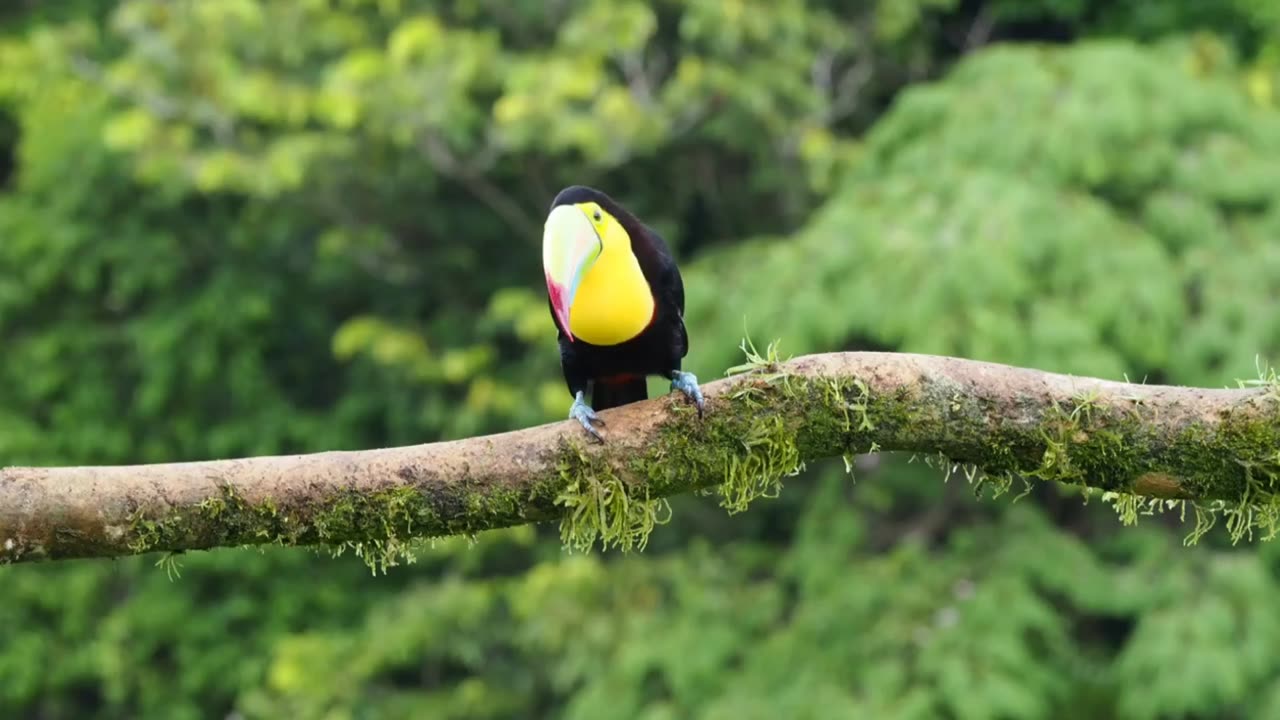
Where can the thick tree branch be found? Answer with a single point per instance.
(1152, 441)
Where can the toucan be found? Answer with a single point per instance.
(617, 300)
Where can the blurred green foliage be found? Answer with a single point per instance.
(235, 227)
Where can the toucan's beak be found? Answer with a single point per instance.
(570, 244)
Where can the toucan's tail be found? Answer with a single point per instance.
(612, 392)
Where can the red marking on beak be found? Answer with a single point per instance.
(560, 305)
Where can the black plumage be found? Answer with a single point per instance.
(613, 375)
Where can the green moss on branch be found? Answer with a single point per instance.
(1146, 449)
(761, 432)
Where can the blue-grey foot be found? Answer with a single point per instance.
(687, 383)
(583, 413)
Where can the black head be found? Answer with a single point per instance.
(575, 194)
(578, 194)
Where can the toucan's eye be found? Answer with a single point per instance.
(596, 215)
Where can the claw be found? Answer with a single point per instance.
(687, 383)
(583, 413)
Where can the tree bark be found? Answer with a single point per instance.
(1216, 448)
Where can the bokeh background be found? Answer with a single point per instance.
(238, 227)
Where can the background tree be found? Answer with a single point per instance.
(256, 226)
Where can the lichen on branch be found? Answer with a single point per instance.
(1215, 453)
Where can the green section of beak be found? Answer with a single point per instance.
(570, 244)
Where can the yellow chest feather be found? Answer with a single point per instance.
(613, 303)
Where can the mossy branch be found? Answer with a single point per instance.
(1148, 447)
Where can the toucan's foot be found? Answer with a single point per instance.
(687, 383)
(583, 413)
